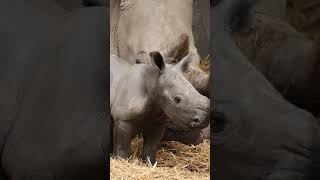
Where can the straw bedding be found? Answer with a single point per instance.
(175, 161)
(205, 64)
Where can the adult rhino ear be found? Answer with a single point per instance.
(157, 60)
(178, 48)
(184, 63)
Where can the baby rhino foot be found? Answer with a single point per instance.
(122, 154)
(149, 159)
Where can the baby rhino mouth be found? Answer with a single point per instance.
(195, 123)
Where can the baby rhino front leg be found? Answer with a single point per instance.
(152, 136)
(123, 132)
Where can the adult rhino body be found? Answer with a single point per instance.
(288, 59)
(257, 134)
(53, 91)
(143, 95)
(272, 8)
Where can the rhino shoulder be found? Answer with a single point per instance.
(131, 109)
(130, 99)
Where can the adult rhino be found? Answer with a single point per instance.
(54, 91)
(289, 60)
(141, 95)
(257, 133)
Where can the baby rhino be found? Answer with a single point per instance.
(143, 95)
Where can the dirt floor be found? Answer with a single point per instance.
(175, 161)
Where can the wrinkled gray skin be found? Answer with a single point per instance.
(273, 8)
(289, 60)
(141, 95)
(258, 134)
(141, 26)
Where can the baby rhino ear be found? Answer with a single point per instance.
(157, 60)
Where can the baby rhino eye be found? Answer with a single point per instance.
(177, 99)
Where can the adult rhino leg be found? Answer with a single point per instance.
(123, 133)
(152, 136)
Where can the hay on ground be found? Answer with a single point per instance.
(205, 64)
(175, 161)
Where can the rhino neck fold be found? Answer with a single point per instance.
(151, 88)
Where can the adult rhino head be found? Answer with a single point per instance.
(139, 27)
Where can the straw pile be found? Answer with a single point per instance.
(205, 64)
(175, 161)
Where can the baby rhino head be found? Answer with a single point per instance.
(181, 102)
